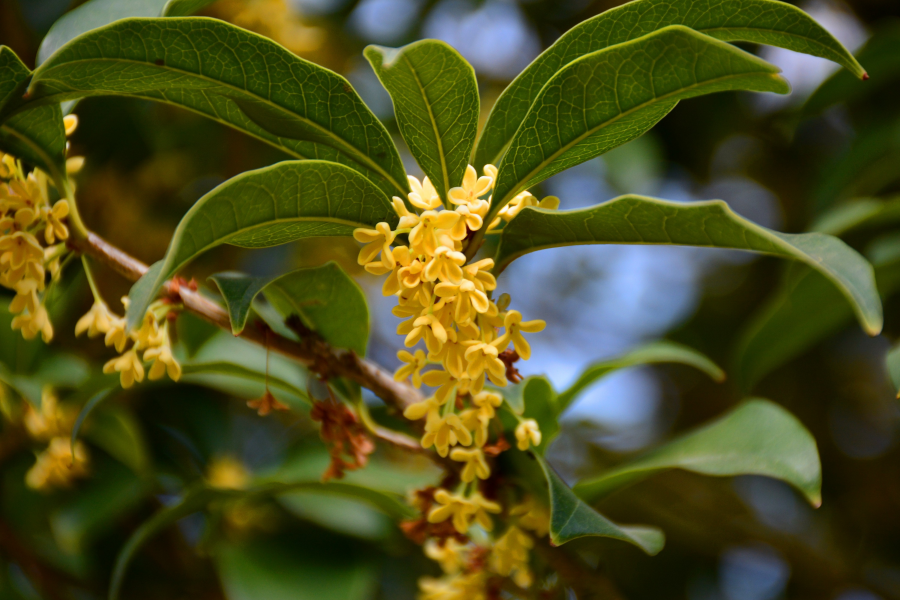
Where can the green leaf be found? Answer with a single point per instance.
(615, 95)
(86, 410)
(435, 97)
(756, 438)
(36, 136)
(892, 361)
(760, 21)
(652, 353)
(534, 398)
(192, 370)
(199, 498)
(804, 310)
(183, 8)
(283, 569)
(570, 518)
(860, 213)
(92, 15)
(640, 220)
(233, 76)
(268, 207)
(325, 298)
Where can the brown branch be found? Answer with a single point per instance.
(311, 352)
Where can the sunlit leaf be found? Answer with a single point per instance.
(268, 207)
(183, 8)
(760, 21)
(652, 353)
(233, 76)
(436, 103)
(757, 438)
(615, 95)
(325, 298)
(36, 136)
(639, 220)
(571, 518)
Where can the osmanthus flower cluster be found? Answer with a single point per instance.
(32, 240)
(446, 305)
(60, 463)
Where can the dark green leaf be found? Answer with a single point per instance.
(233, 76)
(652, 353)
(639, 220)
(267, 207)
(91, 15)
(759, 21)
(758, 438)
(613, 96)
(36, 136)
(570, 518)
(86, 410)
(533, 398)
(436, 103)
(892, 360)
(325, 298)
(858, 214)
(197, 371)
(183, 8)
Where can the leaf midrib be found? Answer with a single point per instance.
(434, 126)
(354, 151)
(514, 190)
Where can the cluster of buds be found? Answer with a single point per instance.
(32, 240)
(152, 339)
(349, 444)
(59, 464)
(447, 306)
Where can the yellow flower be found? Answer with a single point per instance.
(18, 248)
(463, 510)
(71, 124)
(533, 516)
(163, 362)
(468, 298)
(528, 431)
(431, 231)
(34, 323)
(408, 219)
(429, 327)
(26, 297)
(443, 432)
(482, 359)
(52, 420)
(473, 187)
(96, 321)
(445, 265)
(445, 383)
(420, 410)
(477, 423)
(116, 335)
(413, 367)
(57, 466)
(458, 586)
(423, 194)
(476, 465)
(514, 326)
(479, 274)
(471, 220)
(450, 554)
(376, 240)
(227, 473)
(128, 366)
(452, 355)
(55, 227)
(510, 556)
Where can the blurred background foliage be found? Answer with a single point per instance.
(791, 164)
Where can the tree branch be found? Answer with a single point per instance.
(312, 353)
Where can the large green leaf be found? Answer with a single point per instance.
(91, 15)
(233, 76)
(435, 99)
(533, 398)
(198, 371)
(199, 498)
(640, 220)
(325, 298)
(267, 207)
(182, 8)
(612, 96)
(570, 518)
(652, 353)
(282, 569)
(757, 438)
(805, 310)
(36, 136)
(761, 21)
